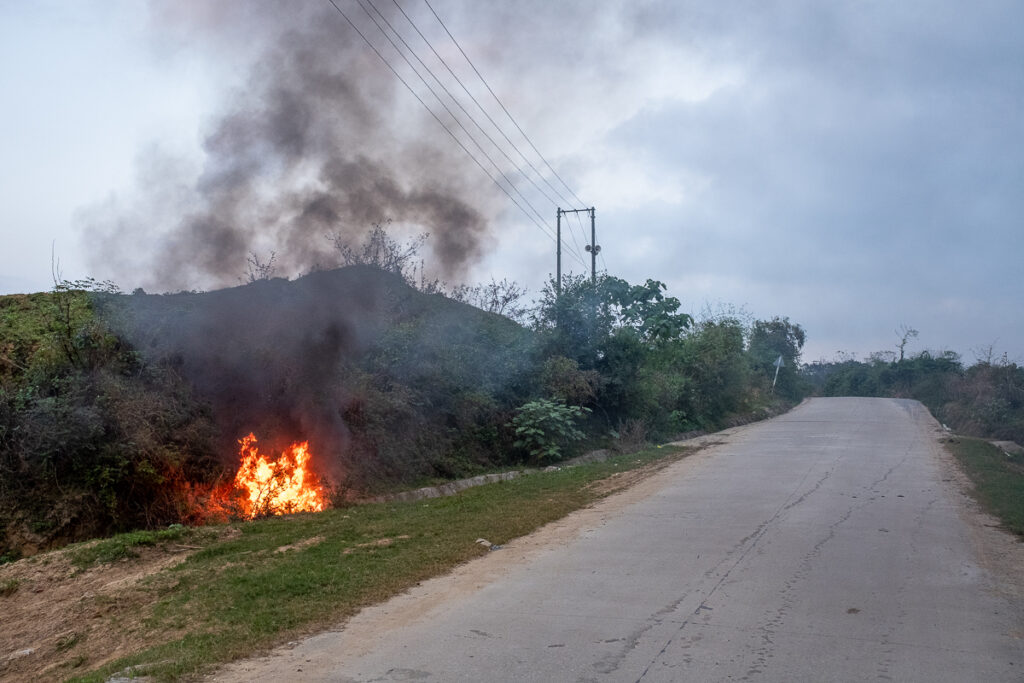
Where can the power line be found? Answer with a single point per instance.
(576, 252)
(355, 28)
(540, 224)
(583, 232)
(503, 108)
(483, 110)
(433, 92)
(507, 114)
(455, 118)
(460, 106)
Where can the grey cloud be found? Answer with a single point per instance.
(867, 161)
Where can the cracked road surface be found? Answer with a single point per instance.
(833, 543)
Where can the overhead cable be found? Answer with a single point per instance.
(500, 104)
(487, 114)
(459, 142)
(452, 114)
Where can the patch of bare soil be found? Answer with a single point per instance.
(623, 480)
(59, 620)
(379, 543)
(308, 543)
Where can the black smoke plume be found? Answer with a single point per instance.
(321, 138)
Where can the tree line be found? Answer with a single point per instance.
(985, 399)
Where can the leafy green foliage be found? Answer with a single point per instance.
(770, 340)
(544, 428)
(644, 310)
(562, 379)
(579, 321)
(392, 386)
(91, 438)
(716, 362)
(655, 364)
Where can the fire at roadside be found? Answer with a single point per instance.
(277, 486)
(151, 394)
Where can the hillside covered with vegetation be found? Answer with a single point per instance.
(125, 411)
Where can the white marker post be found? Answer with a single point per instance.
(777, 364)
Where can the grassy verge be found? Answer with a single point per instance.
(122, 546)
(998, 479)
(265, 582)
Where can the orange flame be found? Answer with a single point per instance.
(277, 487)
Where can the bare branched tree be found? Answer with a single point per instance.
(258, 269)
(905, 333)
(381, 250)
(504, 298)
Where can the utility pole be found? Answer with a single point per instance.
(558, 243)
(593, 247)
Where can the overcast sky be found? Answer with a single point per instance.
(855, 166)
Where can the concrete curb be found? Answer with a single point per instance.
(698, 438)
(451, 488)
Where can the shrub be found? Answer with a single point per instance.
(544, 427)
(630, 437)
(563, 380)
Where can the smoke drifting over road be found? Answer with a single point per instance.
(320, 139)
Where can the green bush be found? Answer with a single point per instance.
(774, 339)
(92, 439)
(562, 379)
(544, 428)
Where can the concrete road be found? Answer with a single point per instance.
(833, 543)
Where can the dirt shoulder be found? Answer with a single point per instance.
(59, 620)
(999, 552)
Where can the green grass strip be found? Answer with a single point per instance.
(998, 479)
(279, 578)
(121, 546)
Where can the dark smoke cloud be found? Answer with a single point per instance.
(272, 357)
(321, 139)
